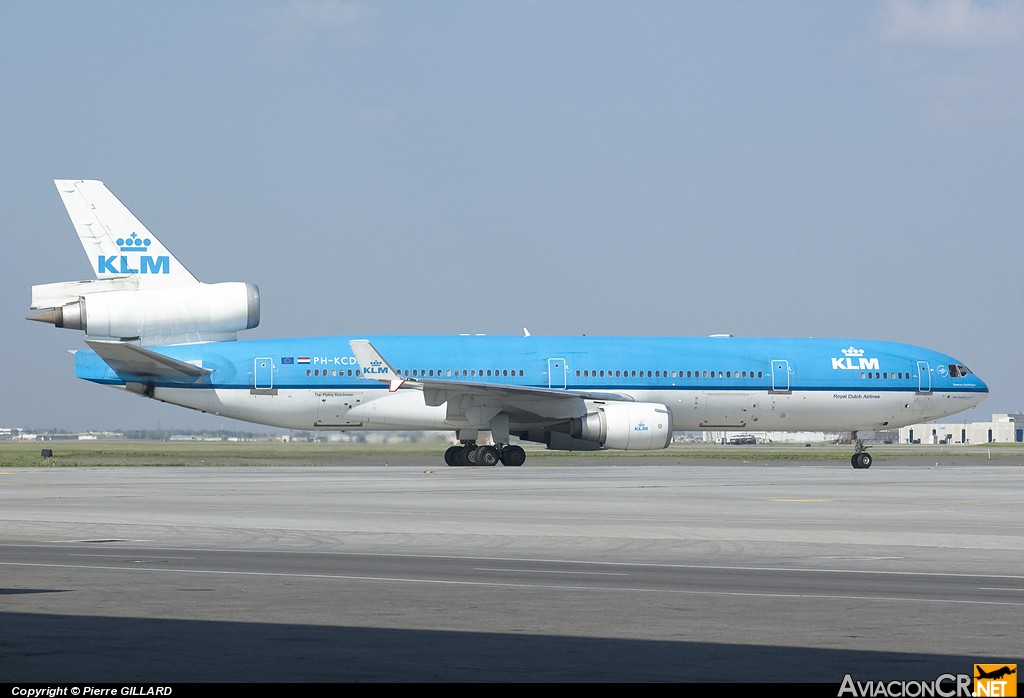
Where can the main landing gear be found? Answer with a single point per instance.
(861, 459)
(471, 454)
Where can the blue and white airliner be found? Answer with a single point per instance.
(154, 330)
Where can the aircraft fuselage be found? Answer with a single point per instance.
(707, 383)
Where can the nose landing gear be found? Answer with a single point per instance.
(861, 459)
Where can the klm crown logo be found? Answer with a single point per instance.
(854, 360)
(133, 243)
(122, 264)
(376, 368)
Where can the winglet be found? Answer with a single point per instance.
(373, 366)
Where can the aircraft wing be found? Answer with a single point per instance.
(523, 403)
(132, 359)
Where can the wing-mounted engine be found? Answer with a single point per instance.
(625, 426)
(111, 308)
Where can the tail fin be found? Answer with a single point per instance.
(141, 293)
(117, 243)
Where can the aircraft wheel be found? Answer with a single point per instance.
(469, 454)
(861, 461)
(513, 456)
(486, 455)
(451, 456)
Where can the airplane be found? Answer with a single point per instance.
(155, 330)
(996, 674)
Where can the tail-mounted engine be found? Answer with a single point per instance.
(114, 308)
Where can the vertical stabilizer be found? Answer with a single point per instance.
(117, 244)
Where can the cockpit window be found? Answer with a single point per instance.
(958, 371)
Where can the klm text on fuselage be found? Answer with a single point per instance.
(863, 364)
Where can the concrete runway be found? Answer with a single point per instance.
(570, 571)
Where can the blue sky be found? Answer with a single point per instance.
(653, 168)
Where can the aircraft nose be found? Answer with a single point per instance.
(981, 392)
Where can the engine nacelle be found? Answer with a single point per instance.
(626, 426)
(201, 312)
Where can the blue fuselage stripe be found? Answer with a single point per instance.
(570, 363)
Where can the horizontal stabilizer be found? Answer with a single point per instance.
(132, 359)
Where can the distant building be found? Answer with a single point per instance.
(796, 437)
(1004, 428)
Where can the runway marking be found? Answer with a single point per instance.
(1000, 589)
(564, 561)
(448, 582)
(537, 571)
(167, 557)
(801, 500)
(874, 558)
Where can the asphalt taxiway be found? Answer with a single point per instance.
(699, 572)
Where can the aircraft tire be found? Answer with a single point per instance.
(469, 454)
(486, 455)
(513, 456)
(861, 461)
(451, 456)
